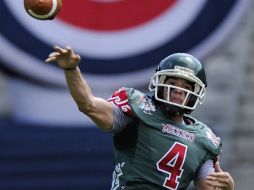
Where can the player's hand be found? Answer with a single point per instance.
(220, 180)
(65, 57)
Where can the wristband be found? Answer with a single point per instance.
(69, 69)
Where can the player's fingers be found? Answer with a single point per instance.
(50, 59)
(69, 48)
(221, 185)
(54, 54)
(77, 58)
(226, 179)
(220, 175)
(70, 51)
(217, 167)
(212, 183)
(60, 50)
(216, 178)
(211, 178)
(218, 182)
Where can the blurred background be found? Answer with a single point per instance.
(45, 143)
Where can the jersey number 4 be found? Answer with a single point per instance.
(172, 164)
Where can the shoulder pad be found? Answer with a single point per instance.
(211, 141)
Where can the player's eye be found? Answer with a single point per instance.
(188, 87)
(172, 83)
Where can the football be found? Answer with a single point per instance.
(43, 9)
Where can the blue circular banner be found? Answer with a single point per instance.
(120, 41)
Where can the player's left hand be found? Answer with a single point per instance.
(220, 180)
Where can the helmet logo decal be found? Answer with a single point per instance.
(184, 69)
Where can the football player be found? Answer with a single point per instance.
(157, 145)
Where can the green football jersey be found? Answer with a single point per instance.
(155, 153)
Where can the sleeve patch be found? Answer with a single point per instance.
(212, 137)
(120, 99)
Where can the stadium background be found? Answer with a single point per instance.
(47, 144)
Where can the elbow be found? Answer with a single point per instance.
(81, 109)
(87, 109)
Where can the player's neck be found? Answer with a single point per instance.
(177, 119)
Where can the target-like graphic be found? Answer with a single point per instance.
(117, 39)
(120, 41)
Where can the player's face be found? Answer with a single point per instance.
(174, 94)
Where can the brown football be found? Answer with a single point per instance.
(43, 9)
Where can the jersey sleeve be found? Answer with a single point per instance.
(120, 99)
(120, 120)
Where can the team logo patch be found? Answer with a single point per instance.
(210, 135)
(147, 105)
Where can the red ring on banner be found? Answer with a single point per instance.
(112, 15)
